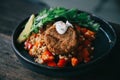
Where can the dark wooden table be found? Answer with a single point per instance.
(12, 12)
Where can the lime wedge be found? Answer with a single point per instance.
(27, 30)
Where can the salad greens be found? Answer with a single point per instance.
(72, 15)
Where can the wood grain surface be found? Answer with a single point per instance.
(10, 67)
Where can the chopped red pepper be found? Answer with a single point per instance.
(48, 53)
(47, 56)
(51, 63)
(61, 62)
(28, 45)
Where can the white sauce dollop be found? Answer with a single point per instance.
(62, 27)
(68, 24)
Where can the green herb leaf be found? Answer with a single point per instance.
(72, 15)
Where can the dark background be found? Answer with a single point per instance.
(12, 12)
(108, 9)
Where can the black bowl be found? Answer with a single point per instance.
(104, 42)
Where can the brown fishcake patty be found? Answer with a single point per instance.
(60, 43)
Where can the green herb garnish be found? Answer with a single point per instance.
(72, 15)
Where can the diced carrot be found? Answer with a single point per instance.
(61, 62)
(48, 53)
(51, 63)
(74, 61)
(36, 44)
(89, 34)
